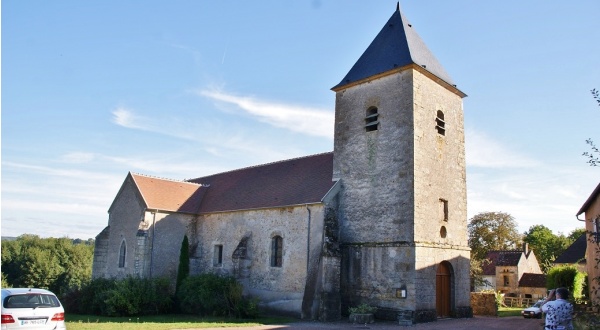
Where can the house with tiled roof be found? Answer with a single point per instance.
(574, 255)
(591, 216)
(381, 220)
(514, 273)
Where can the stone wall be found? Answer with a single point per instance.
(292, 289)
(375, 167)
(484, 303)
(152, 239)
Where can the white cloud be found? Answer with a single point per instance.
(125, 117)
(550, 195)
(305, 120)
(483, 151)
(78, 157)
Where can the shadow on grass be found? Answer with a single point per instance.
(174, 318)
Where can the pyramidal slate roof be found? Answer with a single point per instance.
(397, 45)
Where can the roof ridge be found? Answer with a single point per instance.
(164, 179)
(256, 166)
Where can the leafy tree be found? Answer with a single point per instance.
(545, 244)
(53, 263)
(575, 234)
(476, 273)
(4, 282)
(492, 231)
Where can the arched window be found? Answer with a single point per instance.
(440, 124)
(122, 254)
(371, 120)
(276, 251)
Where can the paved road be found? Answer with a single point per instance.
(477, 322)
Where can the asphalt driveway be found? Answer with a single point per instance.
(477, 322)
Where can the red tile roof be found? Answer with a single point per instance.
(296, 181)
(500, 258)
(169, 195)
(532, 280)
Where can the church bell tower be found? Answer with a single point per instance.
(399, 156)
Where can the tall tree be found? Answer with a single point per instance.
(574, 235)
(492, 231)
(184, 262)
(53, 263)
(545, 244)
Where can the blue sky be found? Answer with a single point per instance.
(180, 89)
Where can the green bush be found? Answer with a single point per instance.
(89, 299)
(210, 294)
(126, 297)
(362, 309)
(568, 277)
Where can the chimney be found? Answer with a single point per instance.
(526, 248)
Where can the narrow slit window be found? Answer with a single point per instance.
(218, 256)
(372, 119)
(444, 209)
(440, 124)
(122, 254)
(276, 251)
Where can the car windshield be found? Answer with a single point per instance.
(537, 304)
(31, 300)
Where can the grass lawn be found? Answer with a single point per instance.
(510, 311)
(159, 322)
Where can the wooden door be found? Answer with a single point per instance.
(442, 289)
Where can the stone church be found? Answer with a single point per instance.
(380, 220)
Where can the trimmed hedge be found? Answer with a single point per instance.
(210, 294)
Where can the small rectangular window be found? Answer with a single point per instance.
(218, 256)
(444, 209)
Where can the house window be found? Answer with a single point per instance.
(444, 209)
(122, 254)
(218, 256)
(597, 229)
(506, 282)
(440, 124)
(276, 251)
(371, 120)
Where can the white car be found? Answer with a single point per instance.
(27, 308)
(533, 311)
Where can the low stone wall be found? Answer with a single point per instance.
(484, 303)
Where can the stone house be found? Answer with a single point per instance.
(515, 273)
(380, 220)
(591, 211)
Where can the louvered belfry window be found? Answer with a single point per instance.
(372, 119)
(440, 124)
